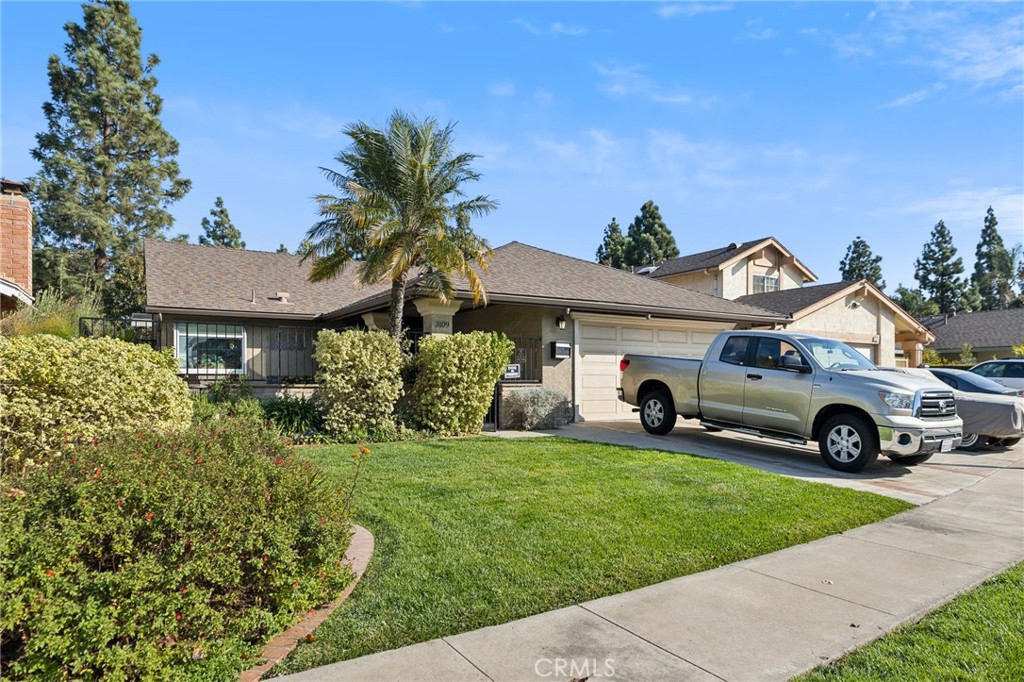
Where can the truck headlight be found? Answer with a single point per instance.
(897, 401)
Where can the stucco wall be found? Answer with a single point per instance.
(734, 280)
(858, 324)
(697, 281)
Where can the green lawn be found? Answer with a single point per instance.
(977, 636)
(475, 532)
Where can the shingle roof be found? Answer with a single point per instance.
(988, 329)
(789, 301)
(522, 273)
(210, 278)
(704, 259)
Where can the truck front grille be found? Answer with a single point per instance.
(937, 405)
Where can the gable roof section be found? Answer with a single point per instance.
(723, 257)
(803, 301)
(519, 273)
(186, 278)
(986, 329)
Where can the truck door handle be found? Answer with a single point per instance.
(755, 377)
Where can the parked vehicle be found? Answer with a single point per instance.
(969, 382)
(1008, 372)
(989, 418)
(796, 388)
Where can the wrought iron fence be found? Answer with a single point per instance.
(529, 359)
(134, 331)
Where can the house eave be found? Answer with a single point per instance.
(241, 314)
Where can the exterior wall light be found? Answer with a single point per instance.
(560, 322)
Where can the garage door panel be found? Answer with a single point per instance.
(673, 336)
(605, 381)
(598, 332)
(642, 335)
(703, 338)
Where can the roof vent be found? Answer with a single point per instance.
(647, 269)
(282, 297)
(733, 246)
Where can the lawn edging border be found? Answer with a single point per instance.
(358, 555)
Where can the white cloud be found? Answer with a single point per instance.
(527, 26)
(560, 28)
(622, 81)
(691, 9)
(760, 34)
(502, 89)
(964, 209)
(911, 98)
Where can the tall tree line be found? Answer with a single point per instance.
(647, 241)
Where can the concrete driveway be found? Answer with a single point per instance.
(943, 474)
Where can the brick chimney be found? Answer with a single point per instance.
(15, 246)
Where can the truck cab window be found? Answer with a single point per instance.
(735, 351)
(770, 352)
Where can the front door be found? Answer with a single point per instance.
(776, 398)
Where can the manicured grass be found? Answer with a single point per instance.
(977, 636)
(482, 531)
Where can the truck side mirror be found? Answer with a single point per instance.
(795, 363)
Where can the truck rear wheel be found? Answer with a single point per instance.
(847, 443)
(657, 412)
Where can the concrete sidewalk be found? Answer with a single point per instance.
(767, 618)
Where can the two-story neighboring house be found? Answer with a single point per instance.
(765, 274)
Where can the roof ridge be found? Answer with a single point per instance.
(173, 244)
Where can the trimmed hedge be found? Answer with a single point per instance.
(164, 557)
(536, 408)
(56, 394)
(360, 378)
(454, 380)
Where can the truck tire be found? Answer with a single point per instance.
(847, 442)
(911, 460)
(657, 412)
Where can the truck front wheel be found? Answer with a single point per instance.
(657, 413)
(847, 443)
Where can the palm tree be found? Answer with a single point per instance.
(401, 206)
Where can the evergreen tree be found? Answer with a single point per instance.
(938, 270)
(220, 231)
(914, 302)
(107, 166)
(861, 263)
(993, 267)
(613, 248)
(648, 239)
(125, 292)
(282, 249)
(181, 238)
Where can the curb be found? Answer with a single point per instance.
(360, 550)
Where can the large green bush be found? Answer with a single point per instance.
(359, 381)
(164, 557)
(454, 379)
(56, 394)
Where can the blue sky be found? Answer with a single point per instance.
(812, 122)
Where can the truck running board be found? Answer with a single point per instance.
(774, 435)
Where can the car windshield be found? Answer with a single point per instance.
(974, 383)
(836, 355)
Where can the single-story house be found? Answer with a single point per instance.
(15, 246)
(764, 273)
(992, 334)
(252, 313)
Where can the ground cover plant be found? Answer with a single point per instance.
(165, 557)
(479, 531)
(977, 636)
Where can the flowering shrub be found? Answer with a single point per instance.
(164, 557)
(454, 379)
(360, 382)
(535, 408)
(56, 395)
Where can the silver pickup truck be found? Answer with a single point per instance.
(795, 387)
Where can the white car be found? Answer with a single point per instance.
(1008, 372)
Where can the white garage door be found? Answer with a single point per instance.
(867, 350)
(602, 345)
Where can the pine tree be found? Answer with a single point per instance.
(282, 249)
(861, 263)
(914, 302)
(938, 270)
(220, 231)
(993, 267)
(107, 166)
(648, 239)
(613, 248)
